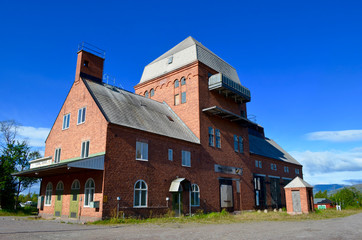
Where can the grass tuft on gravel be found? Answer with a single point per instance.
(225, 217)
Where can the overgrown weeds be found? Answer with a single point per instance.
(225, 217)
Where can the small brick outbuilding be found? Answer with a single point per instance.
(299, 196)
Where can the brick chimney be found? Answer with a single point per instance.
(89, 66)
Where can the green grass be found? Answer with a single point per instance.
(21, 212)
(225, 217)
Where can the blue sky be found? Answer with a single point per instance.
(302, 61)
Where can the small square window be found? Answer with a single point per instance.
(170, 154)
(81, 115)
(142, 151)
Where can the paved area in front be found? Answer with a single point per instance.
(339, 228)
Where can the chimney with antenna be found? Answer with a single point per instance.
(89, 63)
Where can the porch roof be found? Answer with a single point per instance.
(91, 163)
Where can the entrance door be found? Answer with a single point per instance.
(296, 201)
(226, 194)
(58, 199)
(177, 202)
(259, 188)
(74, 199)
(275, 192)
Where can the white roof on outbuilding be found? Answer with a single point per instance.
(186, 52)
(298, 183)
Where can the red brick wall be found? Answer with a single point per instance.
(69, 140)
(67, 179)
(305, 195)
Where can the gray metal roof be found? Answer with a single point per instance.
(268, 148)
(131, 110)
(297, 182)
(186, 52)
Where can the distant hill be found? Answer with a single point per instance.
(328, 187)
(358, 187)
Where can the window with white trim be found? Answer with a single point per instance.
(141, 151)
(211, 136)
(48, 194)
(195, 195)
(66, 119)
(258, 164)
(217, 138)
(89, 190)
(75, 189)
(140, 194)
(85, 149)
(186, 158)
(57, 155)
(81, 115)
(170, 154)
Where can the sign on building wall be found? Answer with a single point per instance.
(229, 170)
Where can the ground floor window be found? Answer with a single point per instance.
(75, 190)
(89, 192)
(59, 190)
(140, 194)
(195, 195)
(48, 194)
(260, 194)
(275, 192)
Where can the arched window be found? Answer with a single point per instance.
(152, 92)
(140, 194)
(195, 195)
(89, 192)
(59, 190)
(75, 190)
(146, 94)
(176, 83)
(183, 81)
(48, 194)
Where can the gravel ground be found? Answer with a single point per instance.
(338, 228)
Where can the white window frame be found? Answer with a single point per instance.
(57, 154)
(195, 193)
(143, 148)
(66, 121)
(81, 115)
(89, 192)
(84, 152)
(48, 194)
(186, 158)
(170, 154)
(139, 191)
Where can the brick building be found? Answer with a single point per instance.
(181, 142)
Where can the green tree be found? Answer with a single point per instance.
(14, 157)
(321, 194)
(348, 197)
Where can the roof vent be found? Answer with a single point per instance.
(170, 60)
(169, 118)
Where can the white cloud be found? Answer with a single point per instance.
(34, 136)
(336, 136)
(330, 161)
